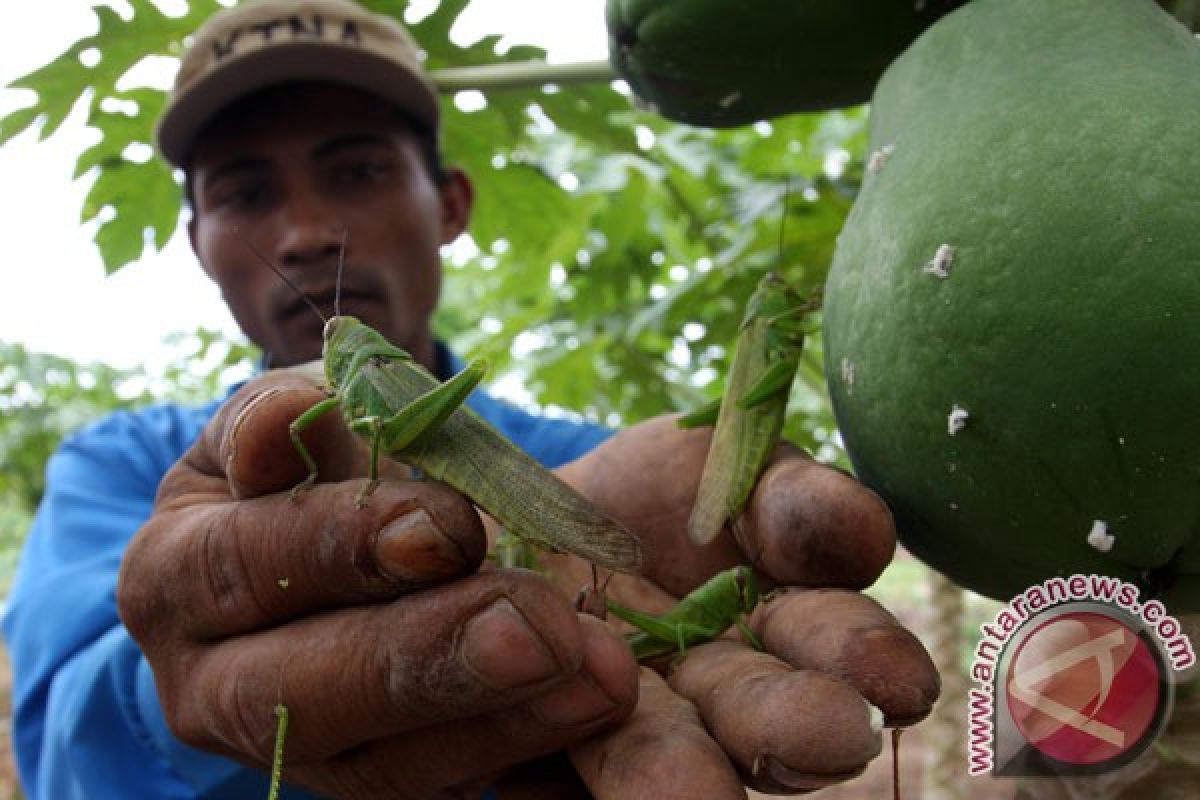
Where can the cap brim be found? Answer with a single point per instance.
(361, 69)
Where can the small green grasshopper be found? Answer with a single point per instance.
(750, 416)
(405, 412)
(701, 616)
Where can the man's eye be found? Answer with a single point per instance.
(241, 197)
(363, 171)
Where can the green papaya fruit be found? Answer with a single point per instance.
(1013, 313)
(1186, 11)
(722, 63)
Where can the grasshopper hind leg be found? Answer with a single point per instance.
(374, 428)
(593, 599)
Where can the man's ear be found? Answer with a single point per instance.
(458, 196)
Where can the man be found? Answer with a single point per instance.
(308, 133)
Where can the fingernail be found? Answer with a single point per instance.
(503, 651)
(577, 702)
(412, 548)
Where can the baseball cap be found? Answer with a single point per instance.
(265, 42)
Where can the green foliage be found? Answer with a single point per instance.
(45, 397)
(136, 196)
(641, 282)
(615, 249)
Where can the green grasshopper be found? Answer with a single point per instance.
(701, 616)
(404, 411)
(750, 416)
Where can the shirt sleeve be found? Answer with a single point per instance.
(552, 441)
(86, 718)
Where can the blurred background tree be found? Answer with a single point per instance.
(44, 397)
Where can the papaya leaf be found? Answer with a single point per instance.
(789, 150)
(592, 113)
(119, 129)
(17, 121)
(58, 86)
(144, 199)
(117, 46)
(434, 28)
(137, 193)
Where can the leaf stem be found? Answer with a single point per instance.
(521, 74)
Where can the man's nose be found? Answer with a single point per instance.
(311, 232)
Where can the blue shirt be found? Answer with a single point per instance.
(86, 718)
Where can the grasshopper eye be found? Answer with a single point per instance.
(746, 586)
(743, 587)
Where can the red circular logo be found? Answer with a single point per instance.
(1084, 688)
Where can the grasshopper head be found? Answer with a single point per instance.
(336, 329)
(339, 335)
(783, 309)
(747, 588)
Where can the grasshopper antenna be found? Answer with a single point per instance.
(337, 289)
(787, 196)
(258, 254)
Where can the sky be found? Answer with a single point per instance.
(55, 296)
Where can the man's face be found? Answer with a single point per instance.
(314, 167)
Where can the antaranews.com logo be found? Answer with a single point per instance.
(1075, 677)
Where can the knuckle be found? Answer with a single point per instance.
(185, 713)
(418, 683)
(186, 726)
(135, 592)
(448, 664)
(184, 575)
(225, 583)
(209, 706)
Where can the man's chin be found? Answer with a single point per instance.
(276, 360)
(299, 339)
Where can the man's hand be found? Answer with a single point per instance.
(406, 673)
(797, 716)
(409, 674)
